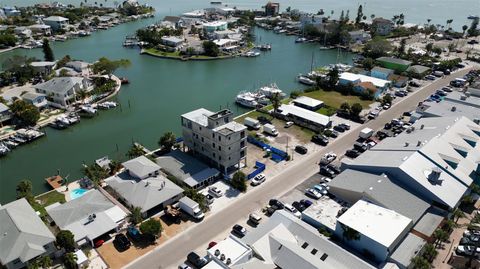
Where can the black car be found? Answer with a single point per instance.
(263, 120)
(360, 147)
(325, 171)
(121, 242)
(344, 126)
(299, 206)
(306, 203)
(334, 168)
(196, 260)
(352, 153)
(381, 135)
(387, 126)
(320, 139)
(414, 84)
(301, 149)
(239, 230)
(276, 203)
(339, 128)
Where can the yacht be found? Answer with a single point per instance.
(252, 53)
(3, 149)
(269, 90)
(88, 109)
(73, 118)
(246, 99)
(305, 80)
(301, 40)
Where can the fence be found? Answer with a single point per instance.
(277, 154)
(260, 168)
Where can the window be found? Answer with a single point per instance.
(314, 251)
(202, 149)
(324, 257)
(242, 153)
(470, 142)
(200, 128)
(202, 139)
(213, 145)
(219, 158)
(305, 245)
(219, 148)
(219, 138)
(229, 158)
(213, 155)
(213, 135)
(242, 144)
(229, 148)
(242, 134)
(461, 152)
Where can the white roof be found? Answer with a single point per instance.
(214, 23)
(362, 78)
(81, 257)
(308, 101)
(222, 42)
(377, 223)
(232, 248)
(55, 18)
(304, 114)
(141, 166)
(199, 116)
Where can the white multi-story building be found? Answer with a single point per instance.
(215, 137)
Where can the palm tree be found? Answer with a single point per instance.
(135, 215)
(464, 28)
(167, 141)
(135, 151)
(70, 260)
(457, 214)
(429, 252)
(46, 262)
(24, 189)
(440, 236)
(372, 16)
(82, 94)
(420, 263)
(449, 225)
(276, 100)
(114, 166)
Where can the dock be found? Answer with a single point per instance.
(55, 182)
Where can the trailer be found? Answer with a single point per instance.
(366, 133)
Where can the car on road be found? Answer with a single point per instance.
(328, 158)
(313, 193)
(301, 149)
(215, 191)
(184, 266)
(299, 206)
(288, 124)
(276, 203)
(321, 189)
(325, 171)
(121, 242)
(258, 179)
(196, 260)
(239, 230)
(320, 139)
(289, 208)
(352, 153)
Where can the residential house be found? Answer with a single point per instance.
(226, 44)
(143, 185)
(308, 103)
(41, 29)
(381, 73)
(216, 138)
(419, 71)
(311, 19)
(43, 68)
(37, 99)
(83, 68)
(398, 81)
(378, 230)
(11, 11)
(5, 113)
(363, 83)
(61, 92)
(304, 117)
(175, 21)
(359, 36)
(272, 9)
(56, 22)
(88, 217)
(192, 172)
(23, 32)
(399, 65)
(209, 27)
(382, 26)
(172, 41)
(24, 235)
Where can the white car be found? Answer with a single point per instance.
(311, 192)
(292, 210)
(328, 158)
(288, 124)
(215, 191)
(258, 179)
(325, 179)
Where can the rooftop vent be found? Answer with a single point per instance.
(324, 257)
(229, 261)
(434, 175)
(222, 257)
(454, 108)
(419, 143)
(407, 144)
(217, 252)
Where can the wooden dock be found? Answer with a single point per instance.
(55, 182)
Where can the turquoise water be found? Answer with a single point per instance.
(77, 193)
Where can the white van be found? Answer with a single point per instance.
(252, 123)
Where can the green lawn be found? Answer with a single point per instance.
(335, 99)
(163, 53)
(47, 199)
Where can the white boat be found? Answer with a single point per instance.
(315, 74)
(270, 90)
(246, 99)
(73, 118)
(282, 31)
(3, 149)
(305, 80)
(88, 109)
(10, 143)
(110, 104)
(63, 119)
(301, 40)
(252, 53)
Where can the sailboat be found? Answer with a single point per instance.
(306, 79)
(325, 47)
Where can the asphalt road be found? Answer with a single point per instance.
(176, 249)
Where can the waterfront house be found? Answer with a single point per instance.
(79, 66)
(37, 99)
(43, 68)
(209, 27)
(362, 83)
(396, 64)
(5, 113)
(226, 44)
(308, 103)
(311, 19)
(192, 172)
(359, 36)
(172, 41)
(216, 138)
(223, 34)
(381, 73)
(56, 22)
(304, 117)
(143, 185)
(41, 29)
(22, 32)
(24, 236)
(175, 21)
(272, 9)
(382, 26)
(61, 92)
(88, 217)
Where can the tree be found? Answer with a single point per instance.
(7, 39)
(429, 252)
(24, 189)
(70, 260)
(464, 29)
(345, 106)
(440, 236)
(25, 113)
(386, 99)
(167, 141)
(105, 66)
(377, 47)
(95, 173)
(151, 228)
(449, 225)
(457, 214)
(333, 76)
(239, 181)
(114, 166)
(276, 100)
(65, 239)
(135, 151)
(135, 215)
(349, 234)
(429, 47)
(359, 17)
(210, 48)
(356, 109)
(401, 49)
(63, 73)
(47, 51)
(368, 63)
(45, 262)
(473, 31)
(420, 263)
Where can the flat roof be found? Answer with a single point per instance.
(232, 248)
(308, 101)
(173, 39)
(199, 116)
(430, 221)
(304, 114)
(407, 249)
(141, 166)
(324, 211)
(375, 222)
(394, 60)
(363, 78)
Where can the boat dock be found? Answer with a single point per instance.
(55, 182)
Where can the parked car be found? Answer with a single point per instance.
(209, 199)
(306, 203)
(339, 128)
(196, 260)
(326, 171)
(447, 89)
(441, 93)
(299, 206)
(184, 266)
(387, 106)
(288, 124)
(133, 233)
(255, 218)
(211, 244)
(325, 180)
(258, 179)
(320, 139)
(121, 242)
(276, 203)
(430, 77)
(215, 191)
(345, 126)
(328, 158)
(361, 147)
(289, 208)
(98, 243)
(463, 250)
(321, 189)
(414, 84)
(301, 149)
(311, 192)
(400, 93)
(352, 153)
(239, 230)
(334, 168)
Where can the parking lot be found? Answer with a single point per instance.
(229, 194)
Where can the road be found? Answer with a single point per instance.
(169, 254)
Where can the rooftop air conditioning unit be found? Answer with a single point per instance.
(229, 261)
(217, 252)
(222, 257)
(454, 109)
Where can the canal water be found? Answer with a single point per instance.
(161, 90)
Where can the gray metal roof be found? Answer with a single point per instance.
(141, 166)
(382, 69)
(60, 84)
(3, 107)
(147, 193)
(407, 249)
(419, 69)
(23, 234)
(394, 60)
(430, 221)
(380, 190)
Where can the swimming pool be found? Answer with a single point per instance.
(76, 193)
